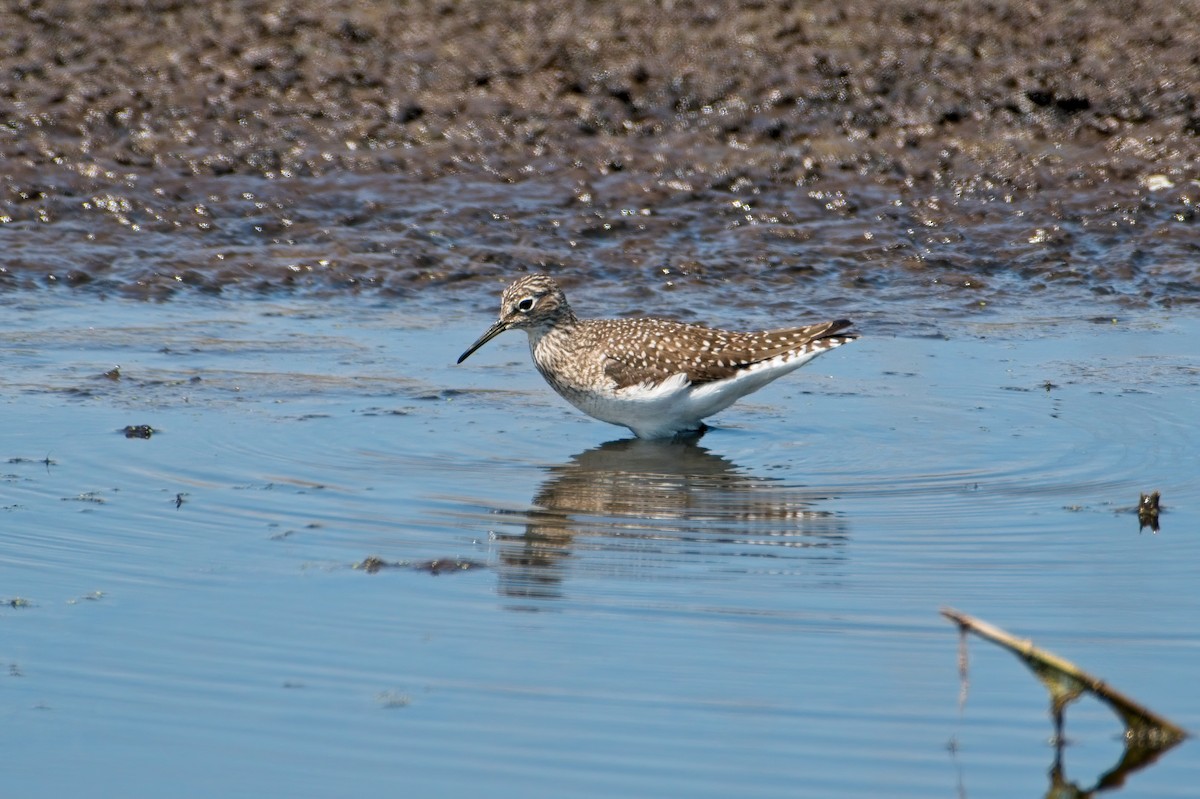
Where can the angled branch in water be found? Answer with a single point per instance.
(1066, 682)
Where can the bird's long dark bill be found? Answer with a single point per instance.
(491, 333)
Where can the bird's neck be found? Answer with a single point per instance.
(550, 331)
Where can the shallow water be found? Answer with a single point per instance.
(755, 615)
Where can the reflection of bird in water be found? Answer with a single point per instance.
(650, 503)
(657, 377)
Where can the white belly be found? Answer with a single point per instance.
(675, 405)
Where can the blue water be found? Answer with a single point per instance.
(754, 616)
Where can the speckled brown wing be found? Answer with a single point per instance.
(707, 354)
(747, 349)
(656, 349)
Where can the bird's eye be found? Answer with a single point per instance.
(525, 305)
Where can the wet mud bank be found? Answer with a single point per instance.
(956, 156)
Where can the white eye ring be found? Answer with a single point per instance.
(525, 305)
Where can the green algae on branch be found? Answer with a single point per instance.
(1066, 682)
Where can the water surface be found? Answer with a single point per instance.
(755, 615)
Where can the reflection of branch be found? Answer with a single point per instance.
(1065, 681)
(1135, 757)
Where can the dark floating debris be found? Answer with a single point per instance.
(373, 564)
(46, 461)
(1147, 511)
(447, 565)
(1147, 734)
(113, 373)
(139, 431)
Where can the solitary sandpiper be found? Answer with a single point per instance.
(657, 377)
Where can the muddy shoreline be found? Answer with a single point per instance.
(877, 151)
